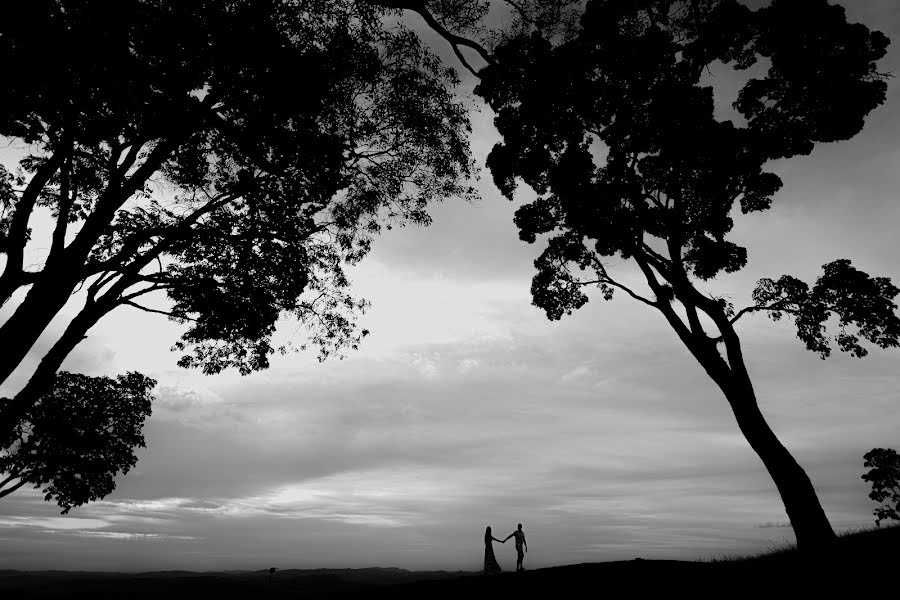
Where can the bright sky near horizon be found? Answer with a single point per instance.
(466, 407)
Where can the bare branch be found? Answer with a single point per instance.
(153, 288)
(9, 491)
(155, 311)
(523, 14)
(606, 279)
(778, 306)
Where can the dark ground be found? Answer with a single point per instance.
(860, 565)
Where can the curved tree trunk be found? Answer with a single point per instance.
(811, 526)
(808, 519)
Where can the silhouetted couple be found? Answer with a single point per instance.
(490, 561)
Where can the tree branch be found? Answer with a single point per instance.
(605, 278)
(64, 204)
(13, 475)
(17, 235)
(750, 309)
(9, 491)
(155, 311)
(523, 14)
(418, 6)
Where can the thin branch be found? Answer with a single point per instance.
(155, 311)
(772, 307)
(153, 288)
(631, 293)
(605, 278)
(522, 12)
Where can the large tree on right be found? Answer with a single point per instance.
(631, 81)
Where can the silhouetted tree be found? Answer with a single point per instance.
(232, 154)
(884, 475)
(630, 83)
(81, 433)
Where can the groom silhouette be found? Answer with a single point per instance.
(520, 542)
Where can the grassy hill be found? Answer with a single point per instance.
(860, 564)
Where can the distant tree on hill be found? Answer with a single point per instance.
(884, 475)
(228, 158)
(630, 84)
(78, 437)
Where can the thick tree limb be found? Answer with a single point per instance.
(9, 491)
(11, 279)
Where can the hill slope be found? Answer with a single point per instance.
(860, 564)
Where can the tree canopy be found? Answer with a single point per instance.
(234, 155)
(78, 437)
(630, 85)
(884, 476)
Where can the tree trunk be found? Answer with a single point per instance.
(811, 526)
(13, 411)
(20, 332)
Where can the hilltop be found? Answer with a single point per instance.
(860, 563)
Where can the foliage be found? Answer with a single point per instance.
(80, 435)
(631, 84)
(616, 131)
(884, 475)
(235, 155)
(853, 296)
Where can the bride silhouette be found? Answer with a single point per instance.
(490, 561)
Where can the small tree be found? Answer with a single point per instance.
(78, 437)
(884, 475)
(630, 82)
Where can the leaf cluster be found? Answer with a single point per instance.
(884, 475)
(234, 154)
(81, 434)
(861, 303)
(615, 129)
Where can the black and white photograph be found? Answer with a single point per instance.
(449, 298)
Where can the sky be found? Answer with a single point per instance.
(466, 407)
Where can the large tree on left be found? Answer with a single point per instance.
(232, 154)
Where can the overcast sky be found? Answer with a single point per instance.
(466, 407)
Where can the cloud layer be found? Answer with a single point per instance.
(467, 408)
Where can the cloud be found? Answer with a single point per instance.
(426, 366)
(772, 524)
(467, 365)
(125, 535)
(467, 407)
(58, 523)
